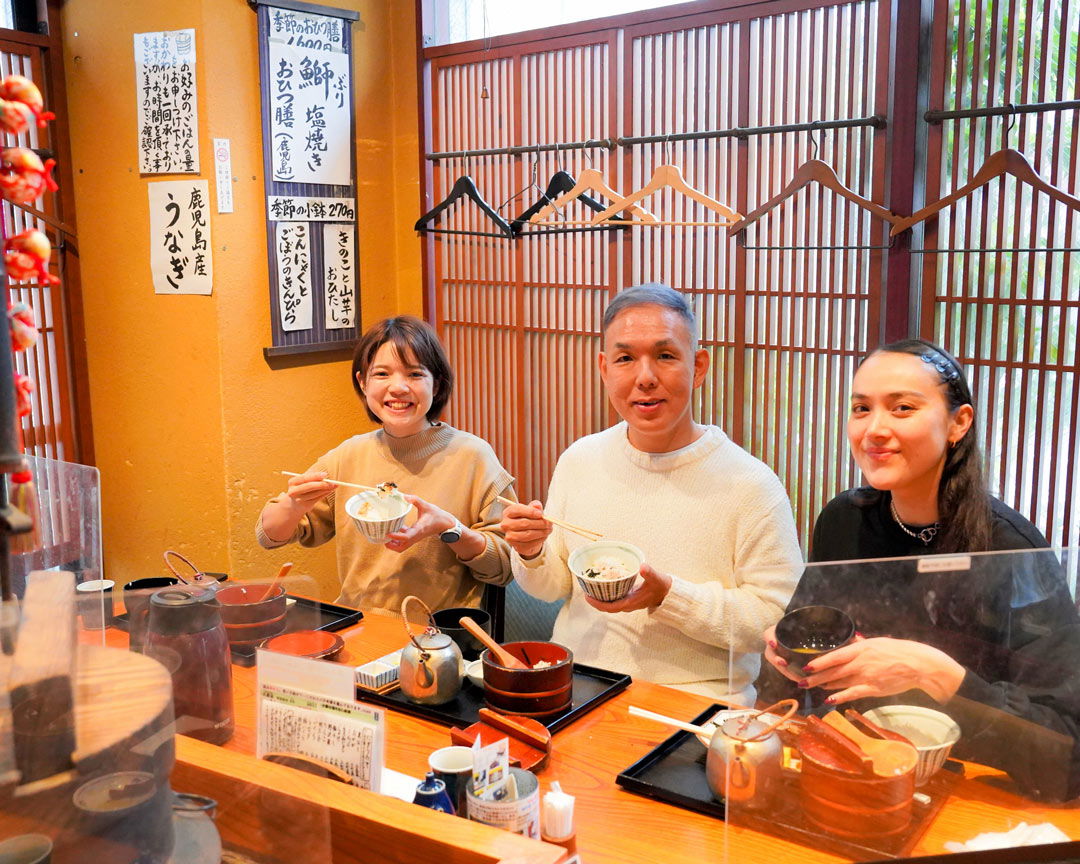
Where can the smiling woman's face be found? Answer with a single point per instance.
(900, 426)
(398, 392)
(650, 370)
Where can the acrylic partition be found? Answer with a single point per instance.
(936, 712)
(67, 522)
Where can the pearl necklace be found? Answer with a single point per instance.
(925, 535)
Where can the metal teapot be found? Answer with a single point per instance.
(431, 666)
(745, 757)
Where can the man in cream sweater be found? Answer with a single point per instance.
(722, 556)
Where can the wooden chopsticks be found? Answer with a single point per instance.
(576, 529)
(335, 482)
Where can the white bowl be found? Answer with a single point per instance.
(582, 558)
(383, 516)
(932, 733)
(474, 671)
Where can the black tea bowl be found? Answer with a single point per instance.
(811, 631)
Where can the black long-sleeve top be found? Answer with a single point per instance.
(1009, 620)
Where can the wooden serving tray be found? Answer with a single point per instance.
(674, 772)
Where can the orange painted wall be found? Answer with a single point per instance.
(190, 423)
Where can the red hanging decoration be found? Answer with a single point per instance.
(23, 176)
(26, 256)
(21, 90)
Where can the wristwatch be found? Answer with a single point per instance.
(453, 534)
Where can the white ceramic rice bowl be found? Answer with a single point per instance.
(932, 732)
(384, 516)
(584, 557)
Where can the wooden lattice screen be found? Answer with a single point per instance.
(785, 327)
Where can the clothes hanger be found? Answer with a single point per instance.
(464, 188)
(560, 184)
(1007, 161)
(813, 171)
(670, 176)
(589, 180)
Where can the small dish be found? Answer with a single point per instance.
(376, 674)
(474, 671)
(314, 644)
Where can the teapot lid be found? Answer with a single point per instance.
(178, 610)
(433, 640)
(745, 728)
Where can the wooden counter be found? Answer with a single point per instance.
(614, 825)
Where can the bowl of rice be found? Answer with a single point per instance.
(606, 569)
(378, 513)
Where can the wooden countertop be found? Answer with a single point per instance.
(614, 825)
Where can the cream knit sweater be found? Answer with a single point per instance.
(711, 516)
(449, 468)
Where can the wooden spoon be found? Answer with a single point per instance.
(887, 758)
(671, 721)
(282, 573)
(497, 651)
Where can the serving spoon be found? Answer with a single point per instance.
(497, 651)
(887, 758)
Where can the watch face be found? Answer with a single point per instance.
(452, 535)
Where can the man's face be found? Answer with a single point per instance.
(650, 370)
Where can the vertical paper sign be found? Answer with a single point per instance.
(180, 250)
(311, 97)
(168, 108)
(293, 242)
(339, 287)
(223, 174)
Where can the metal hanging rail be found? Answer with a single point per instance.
(875, 121)
(1001, 110)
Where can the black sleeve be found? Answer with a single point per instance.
(1025, 717)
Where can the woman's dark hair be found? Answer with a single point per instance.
(962, 493)
(410, 337)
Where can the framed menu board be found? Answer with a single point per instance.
(309, 162)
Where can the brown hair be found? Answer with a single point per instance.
(409, 336)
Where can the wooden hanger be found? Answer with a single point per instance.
(589, 180)
(560, 184)
(670, 176)
(814, 171)
(997, 164)
(464, 188)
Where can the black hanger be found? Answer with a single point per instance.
(559, 183)
(464, 188)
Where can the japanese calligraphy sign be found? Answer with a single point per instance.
(288, 208)
(293, 248)
(166, 97)
(310, 99)
(339, 283)
(181, 259)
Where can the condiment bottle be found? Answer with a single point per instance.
(185, 626)
(432, 793)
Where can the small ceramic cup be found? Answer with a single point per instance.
(26, 849)
(453, 765)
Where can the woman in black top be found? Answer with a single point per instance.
(995, 644)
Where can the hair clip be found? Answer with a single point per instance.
(947, 370)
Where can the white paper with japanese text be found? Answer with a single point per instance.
(293, 248)
(181, 259)
(167, 102)
(339, 283)
(311, 94)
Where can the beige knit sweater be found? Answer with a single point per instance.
(447, 467)
(711, 516)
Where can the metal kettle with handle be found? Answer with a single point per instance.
(745, 758)
(431, 666)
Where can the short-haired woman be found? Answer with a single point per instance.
(996, 645)
(454, 546)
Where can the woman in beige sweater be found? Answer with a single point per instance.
(453, 544)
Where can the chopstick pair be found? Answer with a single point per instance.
(335, 482)
(584, 532)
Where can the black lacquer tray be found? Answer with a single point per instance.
(591, 687)
(674, 772)
(304, 614)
